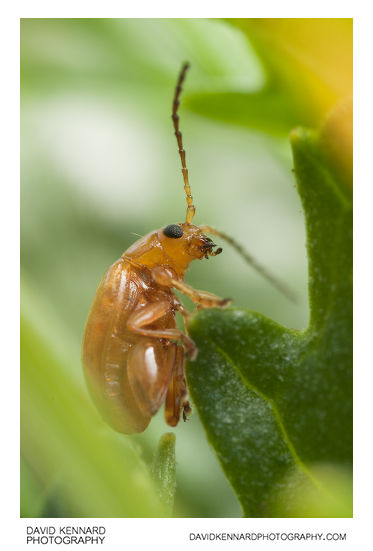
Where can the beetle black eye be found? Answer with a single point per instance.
(173, 230)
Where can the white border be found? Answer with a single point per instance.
(167, 533)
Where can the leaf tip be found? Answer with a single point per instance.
(300, 135)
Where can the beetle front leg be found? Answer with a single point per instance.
(183, 311)
(204, 299)
(152, 313)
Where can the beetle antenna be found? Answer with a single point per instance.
(175, 117)
(280, 286)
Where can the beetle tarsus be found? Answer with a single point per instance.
(190, 348)
(187, 410)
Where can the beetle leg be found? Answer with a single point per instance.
(204, 299)
(183, 311)
(152, 313)
(177, 395)
(150, 369)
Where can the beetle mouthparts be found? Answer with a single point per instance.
(208, 246)
(207, 243)
(214, 253)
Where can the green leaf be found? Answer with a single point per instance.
(164, 470)
(276, 402)
(268, 110)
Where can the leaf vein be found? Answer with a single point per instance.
(297, 460)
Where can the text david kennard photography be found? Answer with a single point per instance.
(65, 534)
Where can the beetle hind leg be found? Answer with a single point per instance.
(149, 369)
(177, 402)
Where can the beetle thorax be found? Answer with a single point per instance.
(158, 249)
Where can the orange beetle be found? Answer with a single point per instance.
(131, 356)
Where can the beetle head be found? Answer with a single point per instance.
(185, 242)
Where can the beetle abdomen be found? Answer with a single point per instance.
(105, 350)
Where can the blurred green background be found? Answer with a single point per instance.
(99, 166)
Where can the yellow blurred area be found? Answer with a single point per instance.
(326, 492)
(312, 58)
(337, 139)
